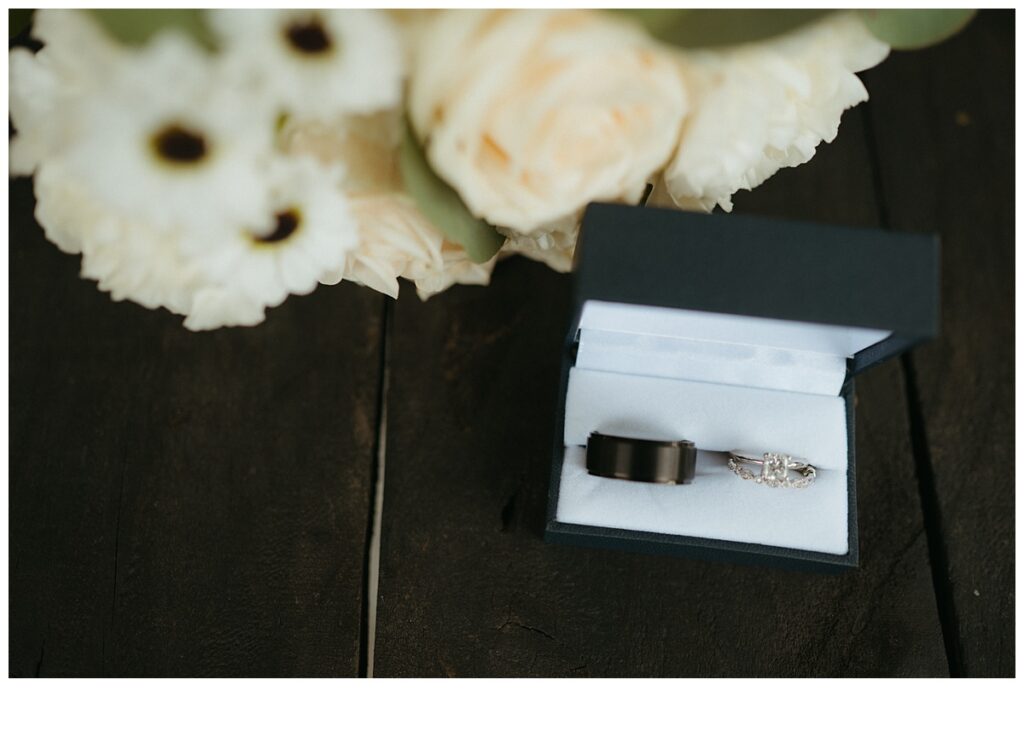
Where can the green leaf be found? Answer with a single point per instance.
(135, 27)
(911, 29)
(17, 20)
(716, 28)
(442, 206)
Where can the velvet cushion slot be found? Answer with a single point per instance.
(715, 417)
(717, 505)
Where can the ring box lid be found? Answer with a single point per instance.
(865, 280)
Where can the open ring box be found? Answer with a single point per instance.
(733, 332)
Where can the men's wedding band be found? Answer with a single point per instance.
(775, 469)
(669, 462)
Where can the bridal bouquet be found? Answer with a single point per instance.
(215, 162)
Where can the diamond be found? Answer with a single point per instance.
(775, 469)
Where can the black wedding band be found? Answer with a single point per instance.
(669, 462)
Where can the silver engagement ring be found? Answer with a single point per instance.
(775, 469)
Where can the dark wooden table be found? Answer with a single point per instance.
(202, 504)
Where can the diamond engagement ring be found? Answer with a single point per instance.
(775, 469)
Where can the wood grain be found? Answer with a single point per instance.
(184, 504)
(197, 504)
(943, 124)
(468, 588)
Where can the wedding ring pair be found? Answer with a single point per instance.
(674, 462)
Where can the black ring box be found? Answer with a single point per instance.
(756, 267)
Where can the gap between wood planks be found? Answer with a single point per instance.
(371, 556)
(927, 493)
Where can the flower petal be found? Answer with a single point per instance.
(765, 106)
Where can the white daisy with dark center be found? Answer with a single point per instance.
(165, 141)
(310, 232)
(322, 64)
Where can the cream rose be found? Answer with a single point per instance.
(530, 115)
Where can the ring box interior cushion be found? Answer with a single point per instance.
(733, 332)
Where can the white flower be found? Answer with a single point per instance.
(554, 246)
(319, 64)
(77, 57)
(455, 267)
(227, 283)
(129, 259)
(78, 45)
(392, 234)
(760, 107)
(312, 233)
(164, 140)
(218, 307)
(397, 241)
(366, 145)
(530, 115)
(35, 96)
(164, 175)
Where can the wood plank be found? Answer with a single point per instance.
(954, 106)
(468, 588)
(184, 504)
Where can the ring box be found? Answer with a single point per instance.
(734, 332)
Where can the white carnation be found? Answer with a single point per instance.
(397, 241)
(760, 107)
(455, 267)
(553, 246)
